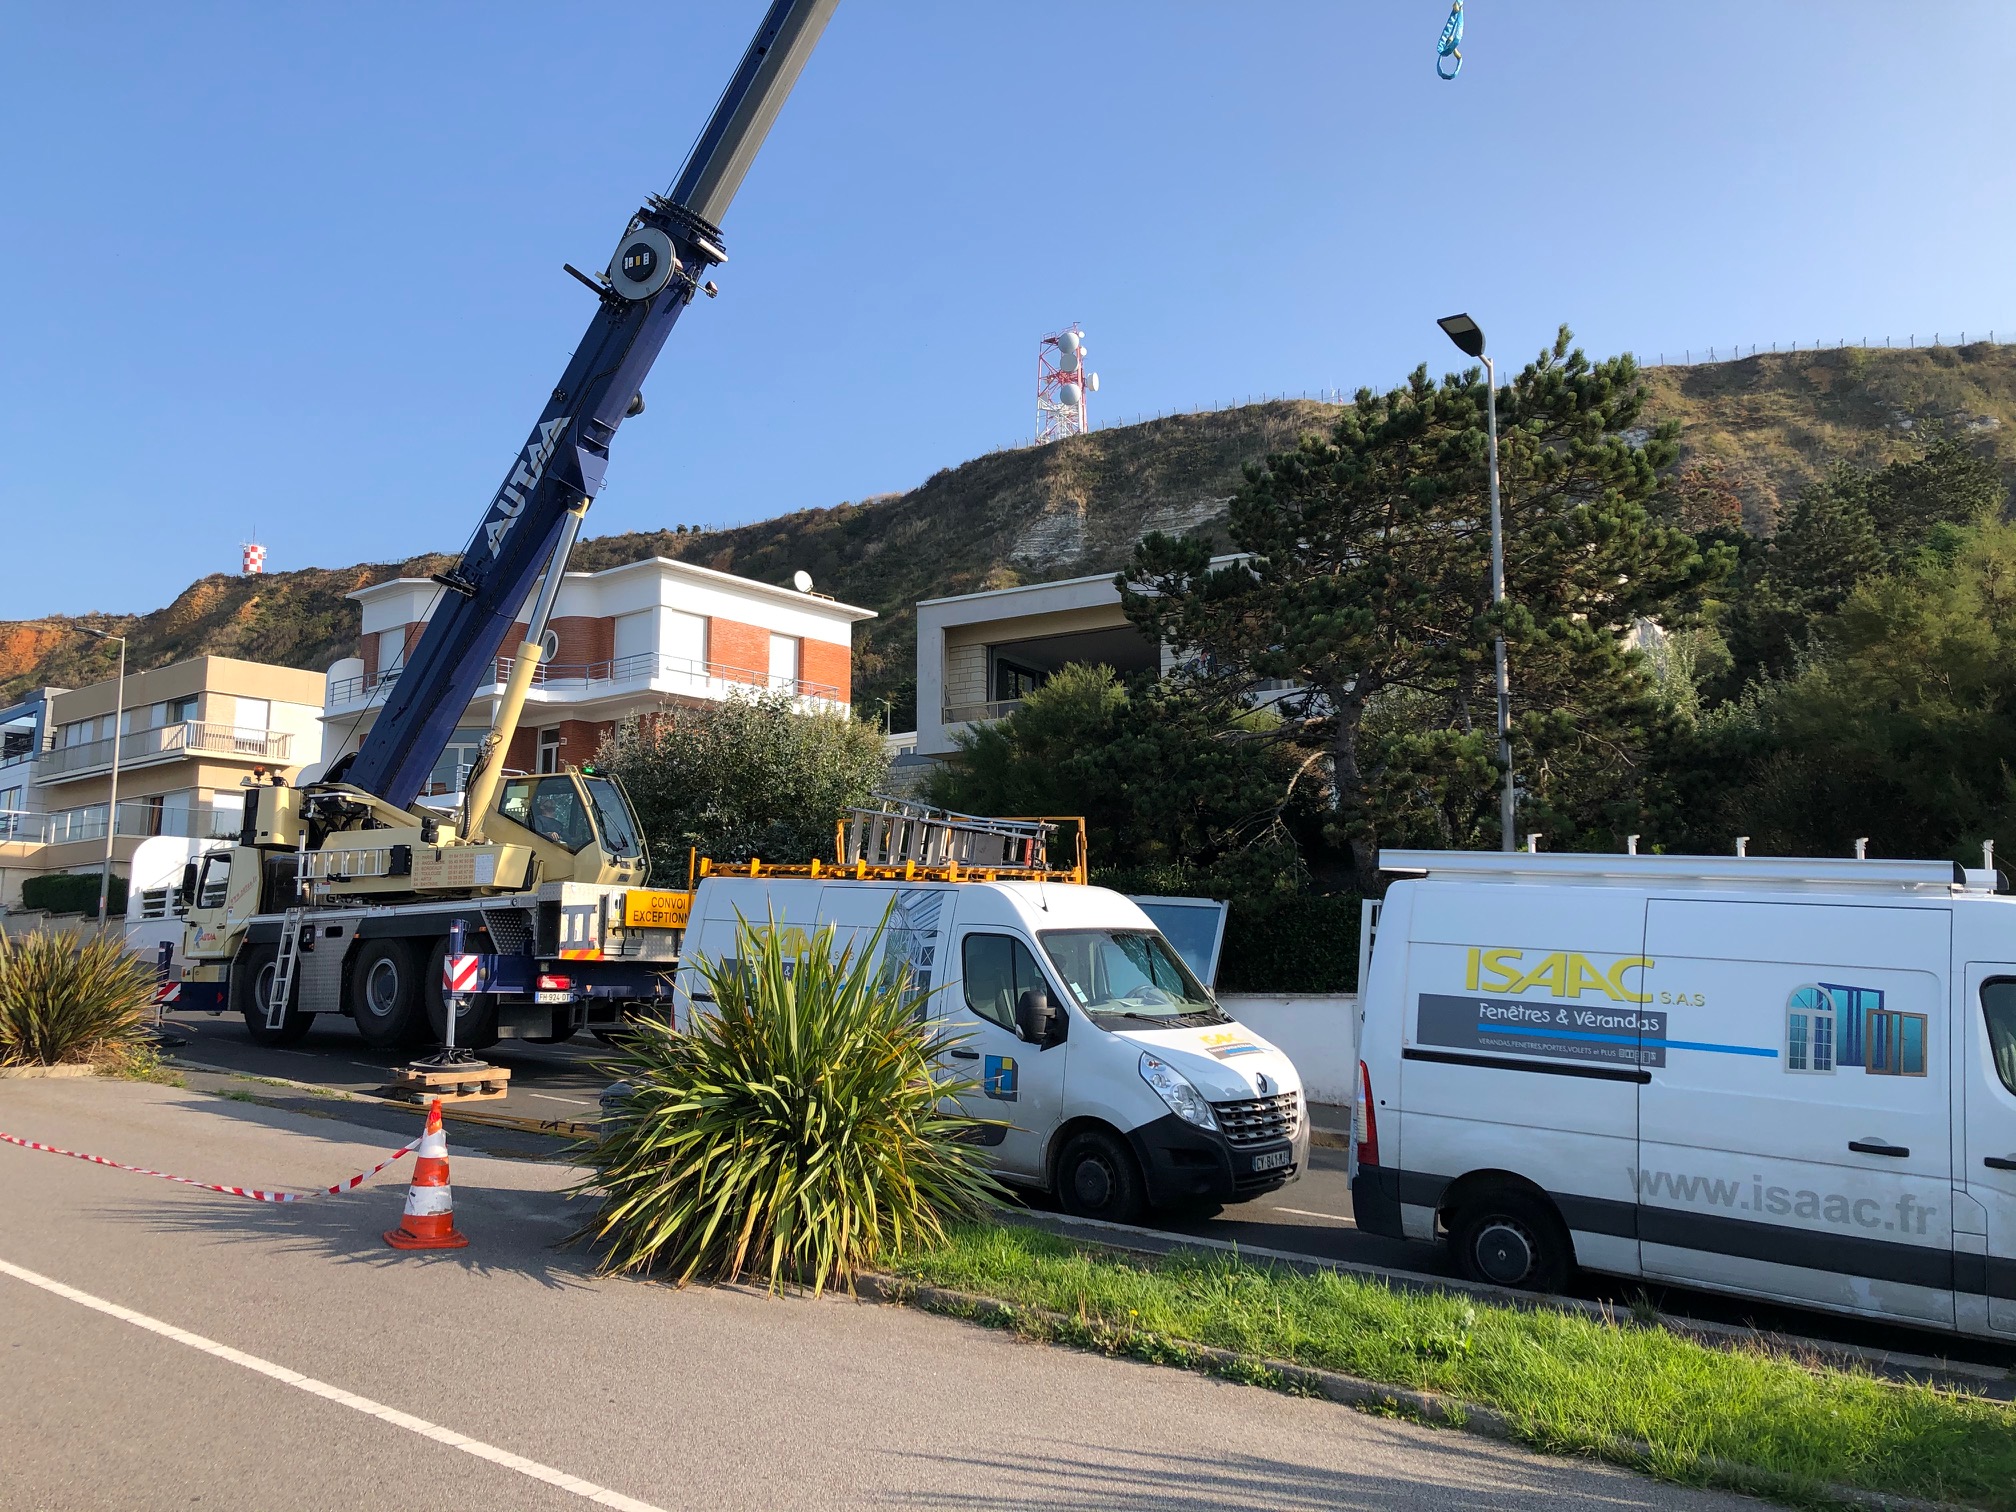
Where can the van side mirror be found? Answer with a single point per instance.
(1034, 1017)
(188, 891)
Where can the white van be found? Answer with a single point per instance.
(1119, 1082)
(1792, 1079)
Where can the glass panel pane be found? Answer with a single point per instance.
(1998, 1006)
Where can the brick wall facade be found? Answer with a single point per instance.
(580, 739)
(738, 652)
(824, 662)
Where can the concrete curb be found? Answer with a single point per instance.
(1431, 1407)
(37, 1073)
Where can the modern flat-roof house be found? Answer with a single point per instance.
(191, 734)
(978, 654)
(623, 641)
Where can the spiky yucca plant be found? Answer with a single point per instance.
(796, 1133)
(66, 998)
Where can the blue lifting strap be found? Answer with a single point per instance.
(1451, 45)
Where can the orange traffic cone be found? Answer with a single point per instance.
(430, 1202)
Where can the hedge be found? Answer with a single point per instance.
(1296, 943)
(72, 892)
(1282, 942)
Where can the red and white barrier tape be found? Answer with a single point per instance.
(210, 1186)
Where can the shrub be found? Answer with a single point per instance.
(796, 1133)
(72, 892)
(747, 777)
(67, 1000)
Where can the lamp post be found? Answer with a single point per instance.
(112, 804)
(1469, 339)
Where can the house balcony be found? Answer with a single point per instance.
(138, 819)
(646, 673)
(173, 742)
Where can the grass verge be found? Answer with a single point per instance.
(1566, 1383)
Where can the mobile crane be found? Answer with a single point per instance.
(340, 895)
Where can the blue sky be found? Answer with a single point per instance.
(294, 271)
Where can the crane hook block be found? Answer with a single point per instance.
(1451, 45)
(644, 263)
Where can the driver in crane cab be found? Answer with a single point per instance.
(557, 817)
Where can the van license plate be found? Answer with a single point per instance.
(1274, 1160)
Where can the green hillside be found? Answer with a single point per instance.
(1768, 425)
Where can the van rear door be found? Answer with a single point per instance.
(1795, 1134)
(1987, 1029)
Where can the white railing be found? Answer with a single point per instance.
(137, 817)
(702, 679)
(190, 737)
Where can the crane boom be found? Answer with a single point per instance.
(667, 247)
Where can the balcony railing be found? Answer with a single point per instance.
(980, 713)
(702, 679)
(137, 818)
(191, 738)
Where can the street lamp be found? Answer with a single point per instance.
(1469, 339)
(112, 805)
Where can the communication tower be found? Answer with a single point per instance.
(1062, 384)
(253, 559)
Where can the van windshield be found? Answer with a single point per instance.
(1131, 975)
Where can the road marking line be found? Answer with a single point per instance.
(585, 1489)
(1305, 1213)
(368, 1065)
(578, 1102)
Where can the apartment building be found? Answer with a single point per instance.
(623, 641)
(189, 736)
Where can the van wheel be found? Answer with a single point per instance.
(385, 992)
(1097, 1178)
(475, 1025)
(1510, 1239)
(252, 978)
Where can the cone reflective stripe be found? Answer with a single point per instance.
(429, 1222)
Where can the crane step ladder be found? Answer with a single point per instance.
(286, 966)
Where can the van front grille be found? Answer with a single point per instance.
(1260, 1120)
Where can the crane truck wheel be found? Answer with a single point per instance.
(252, 976)
(385, 992)
(475, 1025)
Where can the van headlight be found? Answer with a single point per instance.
(1184, 1100)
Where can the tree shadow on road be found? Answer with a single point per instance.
(513, 1229)
(1445, 1472)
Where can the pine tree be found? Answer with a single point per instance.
(1364, 579)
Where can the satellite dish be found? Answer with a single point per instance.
(1092, 383)
(1069, 342)
(802, 580)
(1067, 361)
(1070, 394)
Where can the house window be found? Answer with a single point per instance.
(1809, 1030)
(451, 772)
(549, 751)
(391, 651)
(1012, 681)
(784, 662)
(179, 710)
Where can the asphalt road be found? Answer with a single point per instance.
(1311, 1216)
(168, 1347)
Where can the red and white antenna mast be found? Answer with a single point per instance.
(1062, 384)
